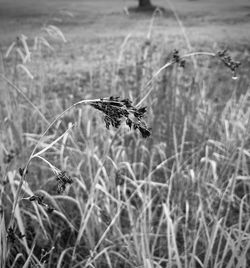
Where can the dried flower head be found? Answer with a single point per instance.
(63, 179)
(229, 63)
(175, 57)
(116, 111)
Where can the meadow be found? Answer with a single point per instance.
(124, 136)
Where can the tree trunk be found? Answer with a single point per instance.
(145, 3)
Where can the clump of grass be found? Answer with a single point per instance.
(172, 203)
(115, 111)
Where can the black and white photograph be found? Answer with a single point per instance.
(124, 133)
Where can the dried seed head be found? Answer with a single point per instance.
(115, 111)
(229, 62)
(144, 132)
(175, 57)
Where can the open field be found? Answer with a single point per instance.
(96, 18)
(92, 181)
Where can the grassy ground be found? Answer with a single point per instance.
(92, 18)
(179, 198)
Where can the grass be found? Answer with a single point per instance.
(76, 194)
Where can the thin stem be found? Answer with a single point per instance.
(23, 95)
(166, 66)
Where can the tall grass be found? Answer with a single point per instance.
(177, 199)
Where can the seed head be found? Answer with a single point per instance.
(175, 57)
(116, 111)
(229, 62)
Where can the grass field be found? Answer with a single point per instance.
(91, 180)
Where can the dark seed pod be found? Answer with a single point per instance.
(32, 198)
(21, 171)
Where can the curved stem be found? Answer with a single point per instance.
(166, 66)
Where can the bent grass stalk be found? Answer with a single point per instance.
(168, 64)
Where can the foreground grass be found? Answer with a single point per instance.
(177, 199)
